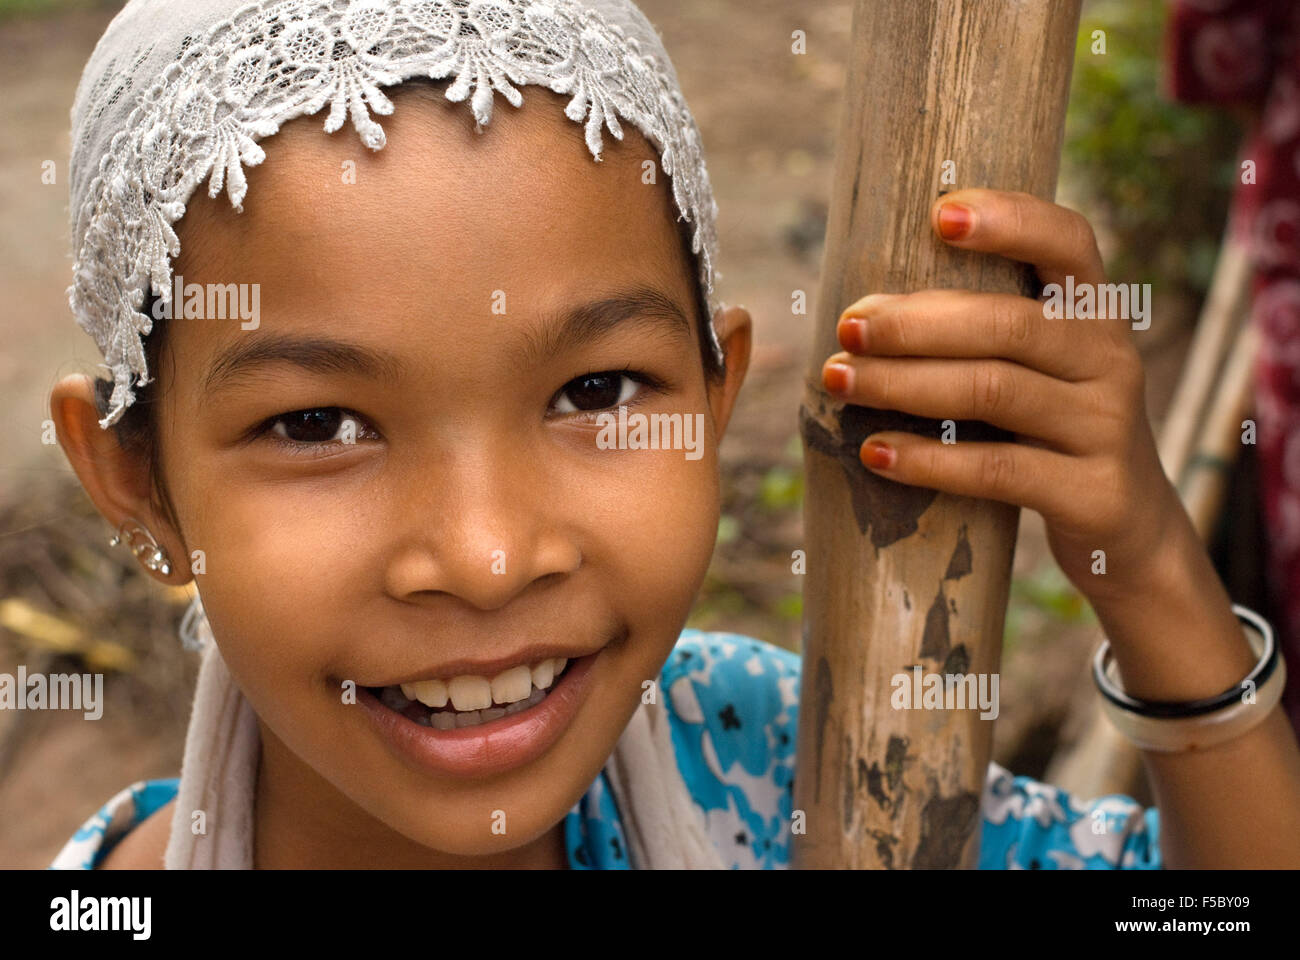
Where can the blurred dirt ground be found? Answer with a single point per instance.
(768, 120)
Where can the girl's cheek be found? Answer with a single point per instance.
(277, 567)
(670, 526)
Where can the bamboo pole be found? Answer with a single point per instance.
(901, 576)
(1226, 304)
(1204, 482)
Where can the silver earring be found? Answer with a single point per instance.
(141, 543)
(195, 631)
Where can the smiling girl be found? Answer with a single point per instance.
(443, 623)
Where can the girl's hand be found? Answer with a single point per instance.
(1070, 390)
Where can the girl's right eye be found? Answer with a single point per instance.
(318, 425)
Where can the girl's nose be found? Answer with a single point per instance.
(481, 532)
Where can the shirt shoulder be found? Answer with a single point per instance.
(125, 811)
(732, 704)
(1028, 825)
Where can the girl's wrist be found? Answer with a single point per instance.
(1178, 638)
(1150, 557)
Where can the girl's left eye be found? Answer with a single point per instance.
(319, 425)
(597, 391)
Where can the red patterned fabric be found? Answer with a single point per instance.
(1247, 53)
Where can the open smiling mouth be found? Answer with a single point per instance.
(470, 700)
(477, 725)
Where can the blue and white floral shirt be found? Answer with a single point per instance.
(733, 704)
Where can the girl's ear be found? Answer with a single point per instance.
(117, 481)
(736, 333)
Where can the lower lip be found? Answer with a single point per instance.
(487, 748)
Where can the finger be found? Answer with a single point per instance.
(1004, 394)
(960, 324)
(1058, 242)
(1009, 472)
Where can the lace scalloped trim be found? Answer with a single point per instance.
(273, 61)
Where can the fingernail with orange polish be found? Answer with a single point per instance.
(853, 335)
(837, 378)
(877, 455)
(956, 221)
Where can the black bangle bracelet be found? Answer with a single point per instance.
(1190, 708)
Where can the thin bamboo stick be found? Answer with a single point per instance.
(1221, 315)
(1204, 480)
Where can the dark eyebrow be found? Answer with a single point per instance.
(560, 332)
(590, 321)
(317, 354)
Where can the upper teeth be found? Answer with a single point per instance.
(472, 692)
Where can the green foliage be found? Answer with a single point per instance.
(1156, 174)
(718, 604)
(790, 606)
(781, 489)
(1047, 592)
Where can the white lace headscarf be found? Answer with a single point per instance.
(181, 91)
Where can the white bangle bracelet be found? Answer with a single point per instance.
(1173, 727)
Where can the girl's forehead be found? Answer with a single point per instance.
(445, 233)
(522, 195)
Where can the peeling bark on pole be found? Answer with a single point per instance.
(901, 576)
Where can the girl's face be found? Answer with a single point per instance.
(452, 296)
